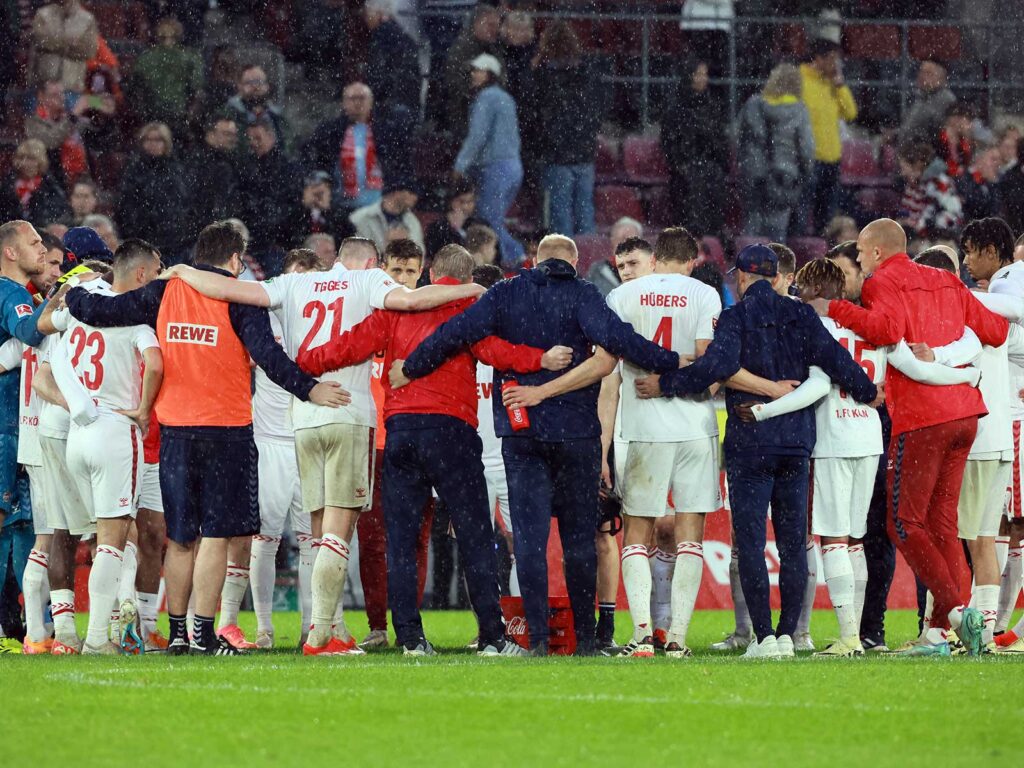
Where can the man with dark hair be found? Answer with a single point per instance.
(319, 213)
(432, 442)
(787, 267)
(845, 255)
(252, 102)
(213, 169)
(208, 470)
(634, 257)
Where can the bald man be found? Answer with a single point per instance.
(933, 428)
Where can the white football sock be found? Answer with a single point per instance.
(663, 565)
(104, 580)
(929, 606)
(637, 579)
(62, 608)
(190, 614)
(739, 602)
(803, 626)
(262, 574)
(305, 578)
(1002, 550)
(955, 616)
(935, 635)
(148, 604)
(235, 582)
(33, 582)
(126, 589)
(841, 588)
(513, 580)
(329, 571)
(1018, 628)
(986, 600)
(1009, 588)
(689, 571)
(859, 561)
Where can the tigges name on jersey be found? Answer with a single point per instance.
(187, 333)
(661, 300)
(331, 285)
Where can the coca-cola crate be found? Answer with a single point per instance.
(562, 639)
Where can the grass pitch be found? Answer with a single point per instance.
(281, 709)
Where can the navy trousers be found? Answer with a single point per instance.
(559, 480)
(440, 452)
(754, 482)
(879, 550)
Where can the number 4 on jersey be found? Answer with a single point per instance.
(663, 333)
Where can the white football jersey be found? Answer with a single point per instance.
(485, 395)
(846, 428)
(315, 307)
(29, 452)
(1010, 280)
(54, 421)
(995, 430)
(270, 403)
(108, 362)
(674, 311)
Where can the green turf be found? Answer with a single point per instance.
(382, 710)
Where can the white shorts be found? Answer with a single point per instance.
(621, 450)
(497, 495)
(37, 490)
(841, 496)
(109, 481)
(150, 496)
(64, 508)
(688, 469)
(280, 494)
(335, 466)
(1014, 505)
(982, 498)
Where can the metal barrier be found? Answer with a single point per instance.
(1006, 91)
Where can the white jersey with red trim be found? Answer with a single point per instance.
(1009, 280)
(271, 419)
(846, 428)
(313, 308)
(54, 421)
(674, 311)
(485, 417)
(108, 362)
(29, 452)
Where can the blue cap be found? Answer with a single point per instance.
(757, 260)
(84, 243)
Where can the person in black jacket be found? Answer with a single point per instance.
(213, 173)
(569, 109)
(30, 192)
(392, 61)
(318, 215)
(271, 196)
(155, 201)
(450, 229)
(695, 146)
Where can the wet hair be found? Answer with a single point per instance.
(675, 244)
(218, 242)
(847, 248)
(934, 257)
(487, 275)
(403, 249)
(453, 261)
(786, 257)
(131, 252)
(301, 257)
(825, 274)
(631, 244)
(53, 243)
(479, 235)
(993, 231)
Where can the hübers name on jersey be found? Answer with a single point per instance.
(186, 333)
(662, 300)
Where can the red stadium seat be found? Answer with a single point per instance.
(807, 249)
(643, 160)
(858, 167)
(592, 249)
(874, 43)
(612, 202)
(938, 43)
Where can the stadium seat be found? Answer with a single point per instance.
(874, 43)
(612, 202)
(807, 249)
(858, 167)
(936, 43)
(607, 163)
(592, 248)
(643, 160)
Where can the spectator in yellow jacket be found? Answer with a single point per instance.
(828, 100)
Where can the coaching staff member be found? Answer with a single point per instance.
(207, 455)
(777, 338)
(554, 465)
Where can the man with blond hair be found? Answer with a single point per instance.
(552, 458)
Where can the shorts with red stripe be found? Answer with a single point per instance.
(1014, 507)
(105, 460)
(209, 478)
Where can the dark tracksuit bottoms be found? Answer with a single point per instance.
(754, 482)
(425, 451)
(879, 550)
(559, 479)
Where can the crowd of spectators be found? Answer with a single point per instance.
(167, 143)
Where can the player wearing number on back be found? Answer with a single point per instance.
(333, 446)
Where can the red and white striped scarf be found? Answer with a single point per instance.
(347, 163)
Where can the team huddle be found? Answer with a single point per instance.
(187, 419)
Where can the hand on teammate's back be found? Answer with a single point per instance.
(556, 358)
(329, 393)
(745, 412)
(778, 389)
(140, 417)
(397, 376)
(648, 387)
(879, 398)
(922, 352)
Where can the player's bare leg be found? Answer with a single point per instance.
(663, 565)
(36, 589)
(688, 531)
(328, 579)
(637, 578)
(802, 639)
(178, 569)
(152, 532)
(1011, 577)
(207, 582)
(104, 580)
(236, 581)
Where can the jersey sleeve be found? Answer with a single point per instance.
(61, 319)
(990, 327)
(277, 290)
(353, 346)
(807, 394)
(505, 356)
(936, 373)
(18, 316)
(711, 308)
(144, 338)
(10, 354)
(963, 351)
(1008, 305)
(379, 285)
